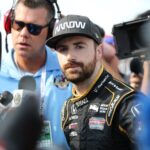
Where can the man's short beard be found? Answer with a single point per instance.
(83, 75)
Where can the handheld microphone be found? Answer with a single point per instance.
(27, 83)
(26, 86)
(136, 66)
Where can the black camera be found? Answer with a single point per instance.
(132, 38)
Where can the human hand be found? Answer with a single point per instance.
(135, 80)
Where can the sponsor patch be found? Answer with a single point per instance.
(74, 117)
(73, 125)
(96, 123)
(73, 133)
(93, 108)
(69, 25)
(101, 84)
(73, 109)
(103, 108)
(112, 105)
(115, 86)
(81, 102)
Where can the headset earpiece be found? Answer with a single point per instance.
(51, 26)
(53, 20)
(8, 20)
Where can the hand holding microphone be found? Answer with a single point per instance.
(136, 77)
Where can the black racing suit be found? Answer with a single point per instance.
(104, 118)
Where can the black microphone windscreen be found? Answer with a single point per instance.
(27, 83)
(136, 65)
(5, 98)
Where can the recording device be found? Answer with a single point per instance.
(132, 38)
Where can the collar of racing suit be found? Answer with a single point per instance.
(101, 79)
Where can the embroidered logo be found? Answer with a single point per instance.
(73, 110)
(73, 133)
(93, 108)
(70, 25)
(61, 82)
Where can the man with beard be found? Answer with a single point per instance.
(102, 113)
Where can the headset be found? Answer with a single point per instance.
(8, 18)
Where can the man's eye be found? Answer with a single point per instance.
(79, 46)
(62, 49)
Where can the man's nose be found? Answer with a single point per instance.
(24, 32)
(71, 54)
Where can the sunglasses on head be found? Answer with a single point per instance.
(33, 29)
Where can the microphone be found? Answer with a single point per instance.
(5, 98)
(8, 100)
(136, 66)
(27, 85)
(21, 128)
(5, 103)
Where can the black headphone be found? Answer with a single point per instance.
(53, 20)
(8, 17)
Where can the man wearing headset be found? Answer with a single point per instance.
(102, 112)
(30, 24)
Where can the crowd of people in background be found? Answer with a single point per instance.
(84, 99)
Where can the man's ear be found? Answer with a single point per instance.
(99, 50)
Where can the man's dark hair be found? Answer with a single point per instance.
(39, 4)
